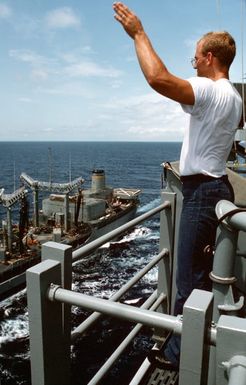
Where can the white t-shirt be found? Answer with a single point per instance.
(214, 118)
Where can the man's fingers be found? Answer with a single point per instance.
(121, 10)
(128, 19)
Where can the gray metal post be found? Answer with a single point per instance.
(165, 267)
(35, 206)
(63, 254)
(50, 364)
(231, 351)
(174, 185)
(9, 228)
(197, 316)
(66, 212)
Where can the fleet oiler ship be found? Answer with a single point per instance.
(71, 219)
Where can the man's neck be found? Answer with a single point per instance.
(217, 74)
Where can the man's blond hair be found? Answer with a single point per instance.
(221, 45)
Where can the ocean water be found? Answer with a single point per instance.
(136, 165)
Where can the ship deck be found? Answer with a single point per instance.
(161, 377)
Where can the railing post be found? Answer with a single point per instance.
(174, 185)
(167, 232)
(197, 316)
(50, 364)
(231, 351)
(63, 254)
(165, 266)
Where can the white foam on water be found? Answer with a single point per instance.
(137, 233)
(151, 276)
(8, 301)
(13, 329)
(14, 326)
(149, 206)
(105, 246)
(132, 301)
(89, 287)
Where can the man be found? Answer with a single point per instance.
(215, 110)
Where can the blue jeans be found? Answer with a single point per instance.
(198, 224)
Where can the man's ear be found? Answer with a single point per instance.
(209, 57)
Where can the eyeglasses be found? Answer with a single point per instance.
(193, 62)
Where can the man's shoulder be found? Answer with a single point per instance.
(200, 80)
(203, 87)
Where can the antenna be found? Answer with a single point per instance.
(14, 175)
(50, 164)
(70, 168)
(219, 13)
(242, 42)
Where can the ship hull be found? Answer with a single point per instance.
(13, 277)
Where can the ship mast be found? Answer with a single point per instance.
(50, 164)
(242, 43)
(8, 200)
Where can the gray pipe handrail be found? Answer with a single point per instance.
(115, 355)
(118, 310)
(93, 245)
(115, 297)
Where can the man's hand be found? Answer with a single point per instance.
(129, 21)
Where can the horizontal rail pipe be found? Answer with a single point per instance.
(111, 360)
(115, 297)
(92, 246)
(118, 310)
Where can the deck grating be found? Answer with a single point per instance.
(163, 377)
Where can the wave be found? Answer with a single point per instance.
(14, 329)
(138, 233)
(148, 206)
(15, 297)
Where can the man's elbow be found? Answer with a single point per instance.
(153, 80)
(156, 83)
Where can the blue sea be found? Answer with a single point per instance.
(126, 164)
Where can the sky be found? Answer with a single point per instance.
(68, 71)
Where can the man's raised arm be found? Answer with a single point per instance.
(154, 70)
